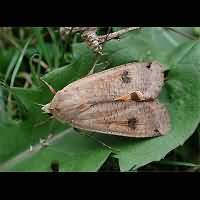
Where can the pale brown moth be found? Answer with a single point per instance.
(119, 101)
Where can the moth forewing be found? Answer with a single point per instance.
(131, 119)
(148, 78)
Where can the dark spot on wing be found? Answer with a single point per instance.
(132, 123)
(149, 65)
(157, 132)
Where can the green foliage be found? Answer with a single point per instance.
(196, 31)
(20, 138)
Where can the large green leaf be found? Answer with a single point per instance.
(73, 152)
(187, 53)
(180, 95)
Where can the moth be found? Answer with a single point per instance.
(118, 101)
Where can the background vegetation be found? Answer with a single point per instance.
(28, 54)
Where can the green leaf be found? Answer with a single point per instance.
(17, 66)
(180, 94)
(42, 46)
(147, 44)
(186, 53)
(11, 65)
(3, 114)
(181, 97)
(73, 153)
(25, 134)
(81, 65)
(6, 55)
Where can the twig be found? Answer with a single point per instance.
(42, 63)
(93, 41)
(98, 55)
(117, 34)
(66, 30)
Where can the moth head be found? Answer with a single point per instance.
(46, 108)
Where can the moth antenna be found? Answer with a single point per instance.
(99, 141)
(38, 104)
(44, 122)
(53, 91)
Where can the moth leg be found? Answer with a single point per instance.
(157, 132)
(97, 140)
(43, 122)
(94, 64)
(134, 96)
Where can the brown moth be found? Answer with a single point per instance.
(119, 101)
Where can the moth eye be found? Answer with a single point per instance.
(125, 77)
(55, 166)
(132, 123)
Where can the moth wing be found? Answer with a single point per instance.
(131, 119)
(155, 81)
(143, 79)
(140, 81)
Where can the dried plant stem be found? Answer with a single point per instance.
(42, 63)
(98, 55)
(90, 37)
(67, 30)
(117, 34)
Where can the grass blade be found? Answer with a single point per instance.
(11, 65)
(17, 66)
